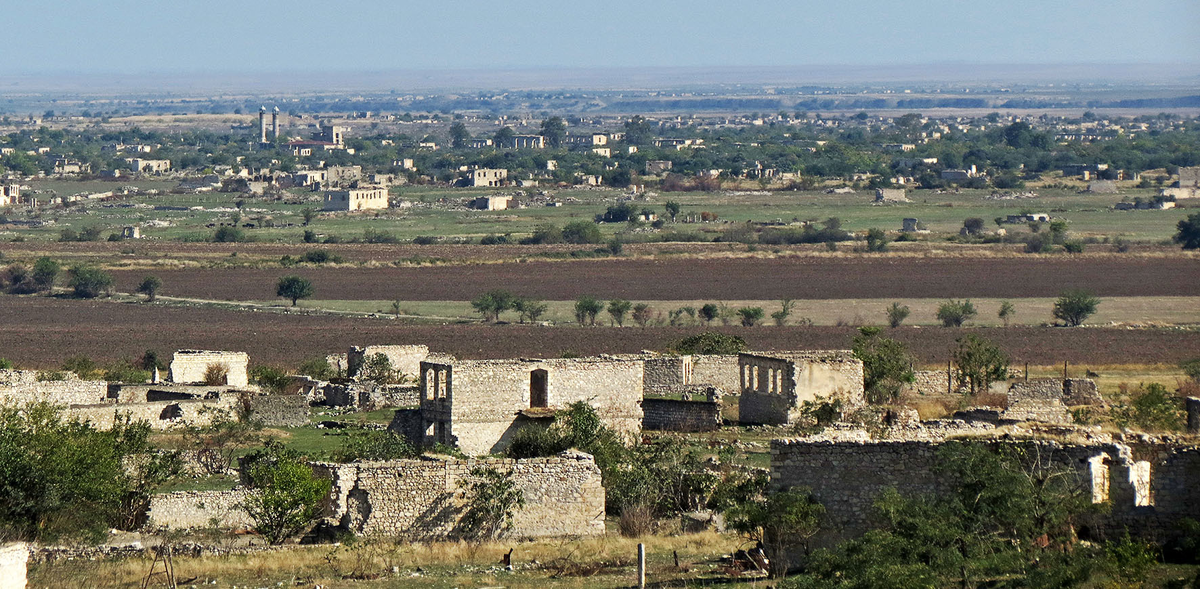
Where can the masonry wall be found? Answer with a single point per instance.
(22, 386)
(280, 410)
(717, 370)
(425, 500)
(848, 476)
(483, 399)
(680, 416)
(187, 510)
(664, 374)
(13, 562)
(775, 387)
(188, 366)
(161, 415)
(405, 359)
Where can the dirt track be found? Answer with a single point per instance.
(712, 279)
(41, 332)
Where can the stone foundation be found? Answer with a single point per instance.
(188, 510)
(680, 416)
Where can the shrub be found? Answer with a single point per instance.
(1038, 244)
(317, 368)
(782, 522)
(320, 257)
(954, 313)
(529, 309)
(1073, 247)
(617, 309)
(887, 365)
(89, 282)
(876, 240)
(45, 273)
(271, 379)
(1073, 307)
(636, 521)
(709, 312)
(710, 342)
(494, 302)
(372, 235)
(1188, 232)
(547, 233)
(642, 314)
(284, 496)
(581, 232)
(224, 436)
(492, 500)
(216, 375)
(896, 314)
(785, 310)
(750, 316)
(378, 369)
(81, 366)
(1007, 311)
(229, 234)
(1152, 407)
(973, 225)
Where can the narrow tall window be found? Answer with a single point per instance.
(538, 395)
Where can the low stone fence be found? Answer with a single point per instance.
(680, 416)
(23, 386)
(187, 510)
(426, 499)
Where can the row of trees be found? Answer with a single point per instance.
(85, 282)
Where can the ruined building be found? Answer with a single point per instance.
(775, 385)
(479, 405)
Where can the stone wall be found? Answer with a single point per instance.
(141, 393)
(680, 416)
(479, 405)
(369, 396)
(1081, 391)
(189, 366)
(720, 371)
(186, 510)
(280, 410)
(22, 386)
(161, 415)
(930, 382)
(13, 561)
(664, 374)
(425, 499)
(405, 359)
(1149, 486)
(775, 385)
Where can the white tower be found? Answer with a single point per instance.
(262, 124)
(275, 124)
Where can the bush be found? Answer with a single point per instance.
(710, 342)
(221, 439)
(896, 314)
(581, 232)
(229, 234)
(271, 379)
(149, 287)
(782, 522)
(320, 257)
(317, 368)
(492, 500)
(45, 273)
(876, 240)
(1150, 408)
(617, 309)
(1073, 307)
(887, 365)
(375, 445)
(586, 309)
(750, 316)
(66, 480)
(954, 313)
(547, 233)
(89, 282)
(979, 363)
(284, 496)
(372, 235)
(294, 288)
(216, 375)
(1038, 244)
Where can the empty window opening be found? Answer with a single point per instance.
(538, 395)
(1098, 467)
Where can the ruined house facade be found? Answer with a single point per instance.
(190, 366)
(479, 405)
(775, 385)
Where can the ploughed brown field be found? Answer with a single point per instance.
(691, 278)
(41, 332)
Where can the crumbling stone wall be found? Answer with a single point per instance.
(775, 385)
(161, 415)
(1150, 486)
(126, 393)
(280, 410)
(720, 371)
(188, 510)
(931, 382)
(425, 499)
(664, 374)
(14, 558)
(680, 416)
(479, 405)
(189, 366)
(405, 359)
(1081, 391)
(370, 396)
(22, 386)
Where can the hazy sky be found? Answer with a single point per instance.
(132, 36)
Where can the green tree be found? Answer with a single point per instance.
(1150, 408)
(1007, 311)
(529, 309)
(642, 314)
(896, 314)
(618, 308)
(1073, 307)
(284, 496)
(45, 273)
(309, 214)
(586, 309)
(1188, 232)
(63, 479)
(785, 310)
(672, 209)
(709, 312)
(149, 287)
(504, 137)
(554, 129)
(876, 240)
(581, 232)
(954, 313)
(887, 365)
(750, 316)
(223, 436)
(978, 363)
(228, 234)
(294, 288)
(90, 282)
(494, 302)
(784, 522)
(458, 135)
